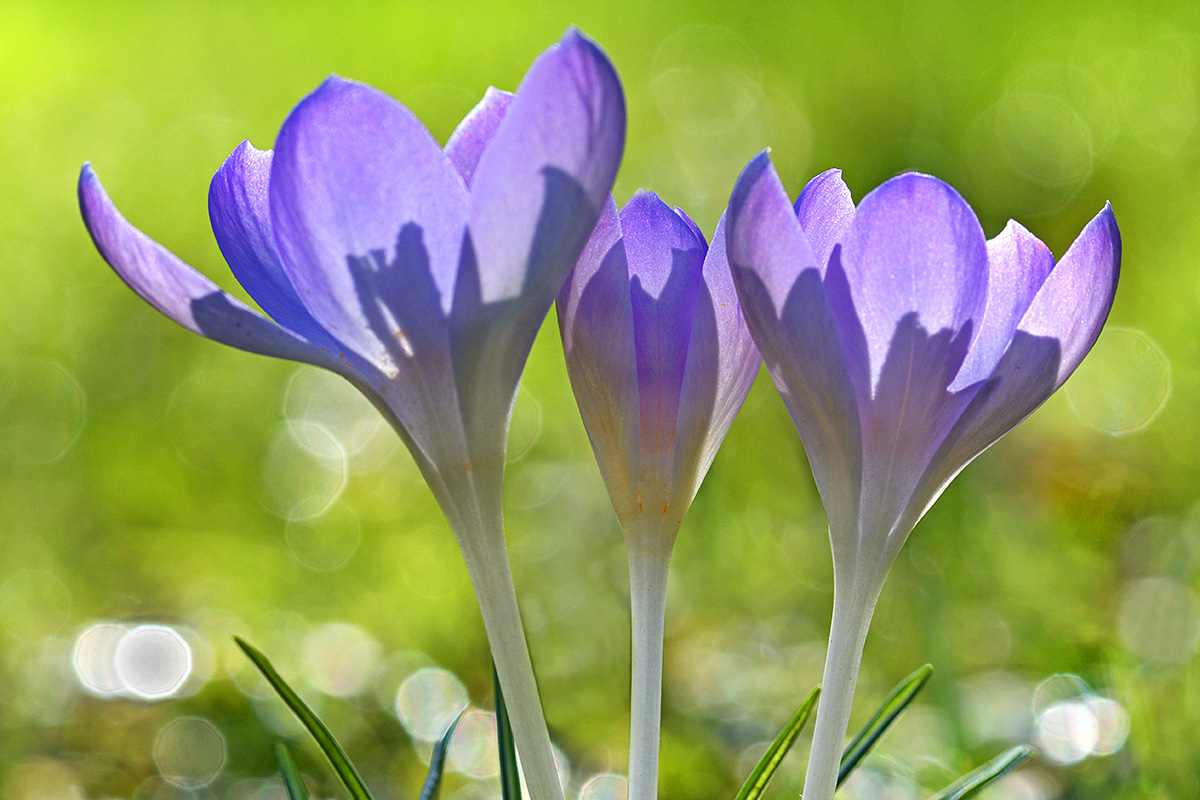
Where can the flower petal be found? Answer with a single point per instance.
(543, 179)
(787, 308)
(825, 210)
(362, 196)
(1018, 263)
(914, 246)
(1073, 302)
(465, 146)
(1055, 333)
(535, 197)
(666, 260)
(595, 319)
(721, 367)
(180, 292)
(241, 221)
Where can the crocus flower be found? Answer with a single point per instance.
(904, 344)
(419, 274)
(660, 360)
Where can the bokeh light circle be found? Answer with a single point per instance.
(1122, 384)
(152, 661)
(189, 752)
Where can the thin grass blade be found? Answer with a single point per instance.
(329, 745)
(975, 780)
(510, 777)
(437, 762)
(292, 782)
(892, 707)
(761, 776)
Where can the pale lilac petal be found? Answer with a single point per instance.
(666, 260)
(825, 210)
(535, 197)
(914, 246)
(1018, 264)
(180, 292)
(465, 146)
(1059, 327)
(241, 222)
(369, 218)
(721, 367)
(1075, 299)
(544, 177)
(788, 312)
(595, 319)
(911, 413)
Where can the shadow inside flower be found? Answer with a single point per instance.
(899, 440)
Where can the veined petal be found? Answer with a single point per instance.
(915, 246)
(787, 309)
(1073, 302)
(721, 367)
(666, 260)
(542, 180)
(465, 146)
(825, 210)
(362, 196)
(595, 319)
(536, 194)
(241, 222)
(1018, 263)
(1055, 333)
(180, 292)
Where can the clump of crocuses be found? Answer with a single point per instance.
(420, 274)
(902, 341)
(904, 344)
(660, 360)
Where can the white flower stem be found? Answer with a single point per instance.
(648, 605)
(853, 606)
(487, 564)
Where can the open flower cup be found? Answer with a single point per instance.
(418, 273)
(904, 344)
(660, 361)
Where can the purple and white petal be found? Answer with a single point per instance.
(915, 246)
(595, 320)
(825, 210)
(369, 218)
(787, 310)
(721, 367)
(544, 177)
(1073, 302)
(180, 292)
(666, 259)
(465, 146)
(241, 221)
(1018, 263)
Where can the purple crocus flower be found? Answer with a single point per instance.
(419, 274)
(660, 360)
(904, 344)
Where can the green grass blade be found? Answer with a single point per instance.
(761, 776)
(329, 745)
(896, 702)
(437, 762)
(510, 777)
(975, 780)
(292, 782)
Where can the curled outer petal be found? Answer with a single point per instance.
(181, 293)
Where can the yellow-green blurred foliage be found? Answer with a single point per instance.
(147, 475)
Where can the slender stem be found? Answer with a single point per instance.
(648, 604)
(853, 606)
(487, 564)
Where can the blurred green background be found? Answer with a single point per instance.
(161, 492)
